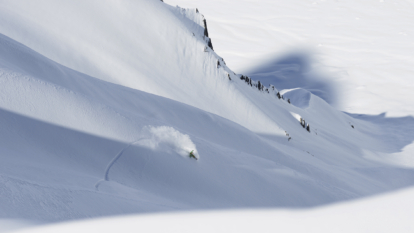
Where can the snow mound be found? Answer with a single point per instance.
(165, 137)
(298, 97)
(128, 47)
(61, 130)
(355, 216)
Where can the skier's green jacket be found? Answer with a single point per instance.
(192, 155)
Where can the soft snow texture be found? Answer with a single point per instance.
(165, 136)
(298, 97)
(387, 213)
(98, 108)
(170, 62)
(355, 54)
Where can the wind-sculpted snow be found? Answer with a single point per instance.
(384, 213)
(62, 130)
(141, 44)
(198, 25)
(362, 49)
(298, 97)
(296, 70)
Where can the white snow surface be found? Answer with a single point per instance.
(101, 103)
(90, 42)
(357, 54)
(385, 213)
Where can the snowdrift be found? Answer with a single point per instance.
(298, 97)
(384, 213)
(100, 108)
(171, 62)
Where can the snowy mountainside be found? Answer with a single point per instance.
(385, 213)
(363, 48)
(199, 20)
(94, 123)
(116, 50)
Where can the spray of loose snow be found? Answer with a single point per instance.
(158, 138)
(165, 137)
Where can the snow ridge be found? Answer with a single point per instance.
(141, 93)
(199, 19)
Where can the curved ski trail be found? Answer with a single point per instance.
(113, 161)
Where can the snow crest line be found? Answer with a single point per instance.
(106, 176)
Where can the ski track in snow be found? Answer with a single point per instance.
(113, 161)
(59, 126)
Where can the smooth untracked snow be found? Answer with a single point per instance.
(362, 50)
(386, 213)
(100, 110)
(97, 42)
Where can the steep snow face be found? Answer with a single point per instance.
(76, 146)
(298, 97)
(354, 55)
(61, 130)
(195, 17)
(363, 48)
(172, 61)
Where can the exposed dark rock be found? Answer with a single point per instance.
(206, 35)
(210, 44)
(205, 28)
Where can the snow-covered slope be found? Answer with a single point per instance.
(101, 108)
(386, 213)
(362, 49)
(97, 42)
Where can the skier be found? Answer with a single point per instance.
(192, 155)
